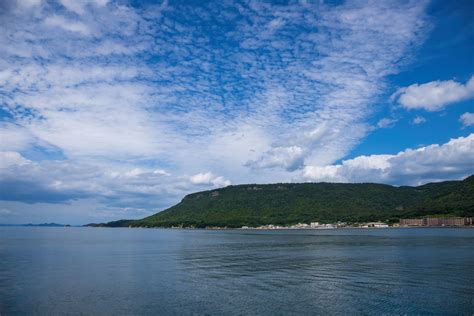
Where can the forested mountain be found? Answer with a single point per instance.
(289, 203)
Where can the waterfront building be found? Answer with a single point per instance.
(375, 225)
(411, 222)
(437, 221)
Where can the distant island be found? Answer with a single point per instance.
(37, 225)
(284, 204)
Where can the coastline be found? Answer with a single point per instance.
(280, 229)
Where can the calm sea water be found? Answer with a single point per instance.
(100, 271)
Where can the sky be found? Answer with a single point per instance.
(118, 109)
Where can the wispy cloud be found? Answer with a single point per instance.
(284, 70)
(467, 119)
(419, 120)
(386, 122)
(67, 25)
(218, 91)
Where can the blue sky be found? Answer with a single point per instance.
(117, 109)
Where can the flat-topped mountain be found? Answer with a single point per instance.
(289, 203)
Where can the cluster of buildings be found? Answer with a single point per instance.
(314, 225)
(404, 222)
(437, 221)
(425, 221)
(374, 225)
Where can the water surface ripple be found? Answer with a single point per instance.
(100, 271)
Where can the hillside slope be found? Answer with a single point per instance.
(253, 205)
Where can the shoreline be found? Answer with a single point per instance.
(281, 229)
(260, 229)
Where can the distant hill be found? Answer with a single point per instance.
(289, 203)
(120, 223)
(36, 225)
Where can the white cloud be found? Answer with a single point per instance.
(289, 158)
(412, 166)
(14, 137)
(67, 25)
(386, 123)
(138, 172)
(76, 6)
(101, 3)
(28, 4)
(209, 178)
(435, 95)
(419, 120)
(467, 119)
(9, 158)
(82, 110)
(276, 23)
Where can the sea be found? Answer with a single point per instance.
(133, 271)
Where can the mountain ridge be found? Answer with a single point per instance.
(290, 203)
